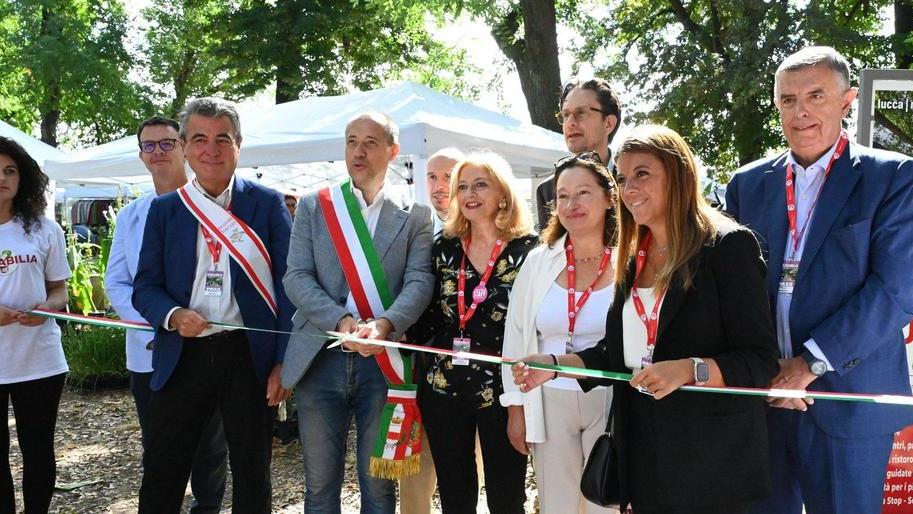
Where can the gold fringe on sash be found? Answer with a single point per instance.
(395, 469)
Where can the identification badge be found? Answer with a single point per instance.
(461, 344)
(214, 281)
(788, 277)
(647, 359)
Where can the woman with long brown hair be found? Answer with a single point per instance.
(690, 308)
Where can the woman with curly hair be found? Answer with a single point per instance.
(33, 273)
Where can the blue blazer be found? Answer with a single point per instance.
(854, 288)
(167, 262)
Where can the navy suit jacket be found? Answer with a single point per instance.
(854, 289)
(167, 263)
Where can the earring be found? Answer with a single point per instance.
(503, 204)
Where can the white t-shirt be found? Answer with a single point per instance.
(551, 325)
(633, 328)
(26, 263)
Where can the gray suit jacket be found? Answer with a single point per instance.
(316, 286)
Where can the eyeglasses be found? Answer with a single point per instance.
(166, 145)
(579, 114)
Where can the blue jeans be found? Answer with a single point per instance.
(336, 386)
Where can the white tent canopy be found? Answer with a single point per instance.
(39, 150)
(312, 130)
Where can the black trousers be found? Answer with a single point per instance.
(210, 464)
(212, 374)
(35, 404)
(451, 424)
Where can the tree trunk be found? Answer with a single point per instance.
(49, 121)
(541, 78)
(536, 57)
(903, 27)
(49, 109)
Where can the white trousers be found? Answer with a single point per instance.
(573, 422)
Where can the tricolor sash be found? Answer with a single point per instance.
(397, 449)
(242, 243)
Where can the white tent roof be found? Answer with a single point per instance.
(39, 150)
(312, 130)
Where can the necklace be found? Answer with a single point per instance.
(589, 259)
(662, 250)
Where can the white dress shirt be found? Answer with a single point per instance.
(371, 214)
(119, 274)
(224, 308)
(808, 183)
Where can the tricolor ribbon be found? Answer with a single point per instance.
(886, 399)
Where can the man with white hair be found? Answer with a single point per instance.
(835, 224)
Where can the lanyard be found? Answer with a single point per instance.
(480, 293)
(574, 307)
(652, 322)
(794, 232)
(215, 247)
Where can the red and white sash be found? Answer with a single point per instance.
(242, 243)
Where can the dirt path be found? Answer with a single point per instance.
(98, 459)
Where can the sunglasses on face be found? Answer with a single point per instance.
(166, 145)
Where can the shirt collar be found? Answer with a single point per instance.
(378, 198)
(224, 198)
(816, 167)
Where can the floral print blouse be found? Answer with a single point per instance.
(439, 325)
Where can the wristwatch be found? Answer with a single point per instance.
(816, 365)
(701, 371)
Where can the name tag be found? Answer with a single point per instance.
(461, 344)
(788, 277)
(214, 281)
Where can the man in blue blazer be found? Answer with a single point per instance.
(213, 251)
(835, 221)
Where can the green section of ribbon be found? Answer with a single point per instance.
(567, 370)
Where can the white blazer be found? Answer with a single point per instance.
(539, 272)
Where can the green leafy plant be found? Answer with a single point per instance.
(86, 275)
(95, 356)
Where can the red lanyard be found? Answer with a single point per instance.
(215, 247)
(794, 232)
(574, 307)
(480, 293)
(651, 323)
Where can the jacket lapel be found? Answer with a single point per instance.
(778, 224)
(392, 218)
(672, 302)
(837, 190)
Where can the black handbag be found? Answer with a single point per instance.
(600, 482)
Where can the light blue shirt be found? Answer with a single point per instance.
(128, 239)
(808, 185)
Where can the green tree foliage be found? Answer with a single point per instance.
(705, 67)
(66, 62)
(238, 49)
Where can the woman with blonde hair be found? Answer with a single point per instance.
(690, 308)
(486, 239)
(567, 288)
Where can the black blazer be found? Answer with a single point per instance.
(710, 448)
